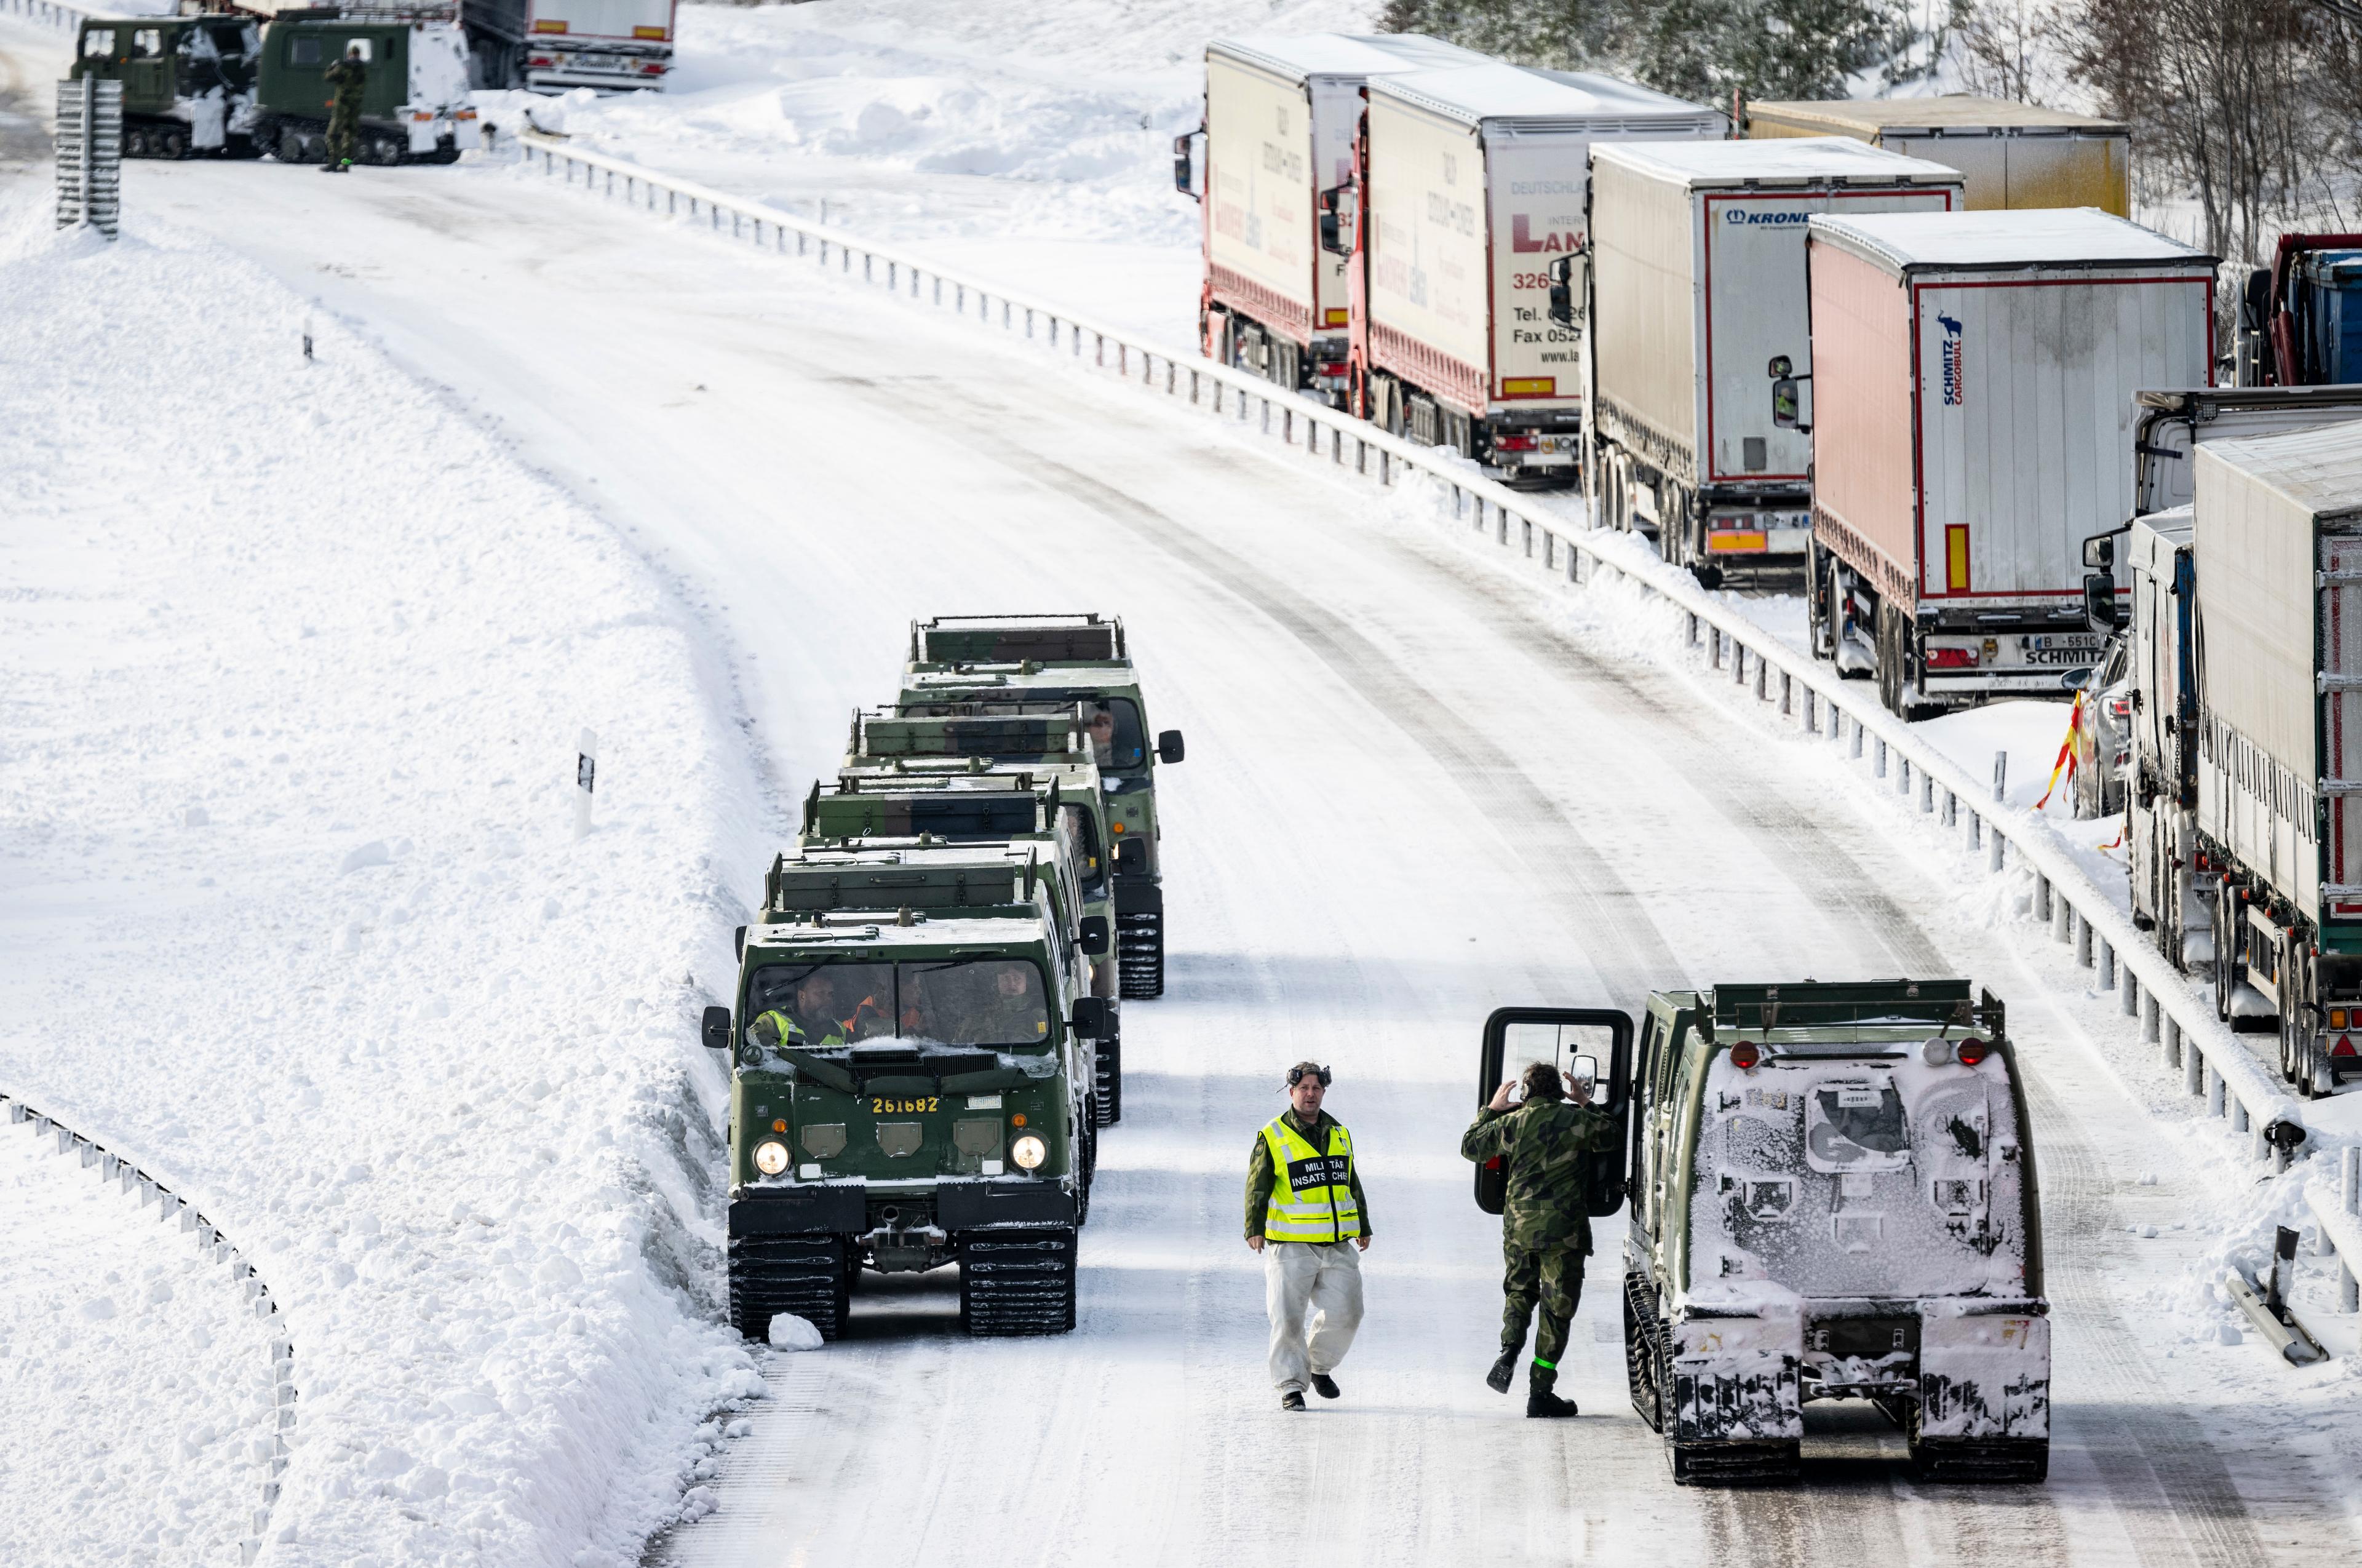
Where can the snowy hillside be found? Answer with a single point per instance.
(293, 910)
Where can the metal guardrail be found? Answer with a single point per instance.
(114, 1167)
(2211, 1060)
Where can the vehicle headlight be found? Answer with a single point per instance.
(771, 1156)
(1028, 1151)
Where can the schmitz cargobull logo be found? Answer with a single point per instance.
(1955, 385)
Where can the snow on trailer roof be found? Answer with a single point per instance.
(1304, 55)
(1793, 161)
(2005, 238)
(1494, 90)
(1952, 113)
(2319, 470)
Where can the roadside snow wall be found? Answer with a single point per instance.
(291, 912)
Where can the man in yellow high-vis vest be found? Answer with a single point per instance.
(1307, 1218)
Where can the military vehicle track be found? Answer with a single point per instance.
(1018, 1280)
(1140, 954)
(801, 1272)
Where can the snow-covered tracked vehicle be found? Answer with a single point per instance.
(415, 107)
(188, 82)
(1833, 1197)
(910, 1047)
(1070, 659)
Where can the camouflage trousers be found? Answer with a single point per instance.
(342, 130)
(1548, 1277)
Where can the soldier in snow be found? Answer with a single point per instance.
(348, 76)
(1542, 1142)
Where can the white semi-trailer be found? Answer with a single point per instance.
(1975, 376)
(614, 44)
(1281, 117)
(1473, 182)
(2247, 678)
(1696, 284)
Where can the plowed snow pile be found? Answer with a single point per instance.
(292, 912)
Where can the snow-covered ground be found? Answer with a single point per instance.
(431, 1059)
(292, 911)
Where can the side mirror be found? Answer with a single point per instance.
(717, 1029)
(2075, 679)
(1185, 164)
(2099, 553)
(1130, 855)
(2100, 602)
(1339, 212)
(1580, 1068)
(742, 942)
(1091, 1018)
(1562, 291)
(1792, 406)
(1169, 748)
(1094, 935)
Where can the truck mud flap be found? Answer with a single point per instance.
(1984, 1377)
(772, 1210)
(1139, 940)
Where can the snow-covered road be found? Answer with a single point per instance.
(1410, 797)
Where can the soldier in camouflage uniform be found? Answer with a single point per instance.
(348, 76)
(1546, 1223)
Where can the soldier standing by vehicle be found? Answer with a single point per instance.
(1546, 1223)
(348, 76)
(1306, 1215)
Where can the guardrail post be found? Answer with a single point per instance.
(2062, 919)
(1857, 740)
(1952, 808)
(1879, 767)
(1787, 693)
(1738, 662)
(2179, 1052)
(2148, 1016)
(1812, 711)
(1927, 793)
(2041, 896)
(2217, 1095)
(1763, 679)
(1903, 776)
(2082, 940)
(2349, 1195)
(1713, 645)
(1693, 628)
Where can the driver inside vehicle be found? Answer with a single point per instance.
(1102, 733)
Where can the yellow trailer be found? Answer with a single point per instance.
(2013, 154)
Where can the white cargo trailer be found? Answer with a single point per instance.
(2272, 688)
(612, 44)
(1281, 115)
(1976, 375)
(1475, 184)
(1696, 285)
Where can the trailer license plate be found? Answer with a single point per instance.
(2060, 648)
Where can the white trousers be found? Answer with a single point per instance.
(1326, 1280)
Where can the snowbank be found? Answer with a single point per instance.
(292, 914)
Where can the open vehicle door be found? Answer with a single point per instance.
(1562, 1036)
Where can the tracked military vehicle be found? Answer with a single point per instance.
(1070, 659)
(188, 82)
(947, 796)
(415, 107)
(926, 1103)
(1834, 1198)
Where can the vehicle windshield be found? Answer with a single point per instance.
(962, 1001)
(1117, 742)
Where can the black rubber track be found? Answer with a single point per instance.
(1018, 1280)
(798, 1272)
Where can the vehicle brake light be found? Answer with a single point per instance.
(1745, 1055)
(1972, 1051)
(539, 60)
(1951, 658)
(1513, 443)
(1331, 368)
(2118, 707)
(652, 68)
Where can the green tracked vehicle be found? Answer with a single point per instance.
(1070, 659)
(188, 82)
(415, 107)
(1833, 1197)
(952, 797)
(929, 1105)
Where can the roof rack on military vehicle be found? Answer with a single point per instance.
(1028, 736)
(956, 806)
(1011, 639)
(1866, 1003)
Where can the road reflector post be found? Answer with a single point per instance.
(585, 768)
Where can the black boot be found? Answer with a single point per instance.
(1542, 1397)
(1292, 1400)
(1504, 1369)
(1325, 1385)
